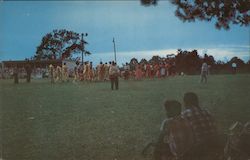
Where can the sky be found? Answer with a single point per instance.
(139, 31)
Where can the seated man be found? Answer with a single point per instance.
(203, 127)
(162, 150)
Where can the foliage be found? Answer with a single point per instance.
(190, 62)
(60, 44)
(224, 11)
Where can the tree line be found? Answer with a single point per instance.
(189, 62)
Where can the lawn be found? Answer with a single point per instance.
(88, 121)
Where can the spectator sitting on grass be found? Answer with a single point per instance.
(202, 125)
(162, 150)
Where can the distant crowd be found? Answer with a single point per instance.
(87, 72)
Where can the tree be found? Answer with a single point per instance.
(155, 59)
(60, 44)
(224, 11)
(188, 61)
(143, 61)
(237, 60)
(209, 59)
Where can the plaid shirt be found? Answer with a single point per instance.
(201, 122)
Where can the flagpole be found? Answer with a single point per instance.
(114, 48)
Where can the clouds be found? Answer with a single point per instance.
(139, 31)
(220, 52)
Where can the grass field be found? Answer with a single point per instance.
(40, 121)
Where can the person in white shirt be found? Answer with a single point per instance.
(204, 72)
(234, 67)
(113, 75)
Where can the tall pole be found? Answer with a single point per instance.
(82, 48)
(114, 48)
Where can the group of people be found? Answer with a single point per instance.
(28, 71)
(139, 71)
(86, 72)
(58, 73)
(189, 134)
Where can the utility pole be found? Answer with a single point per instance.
(82, 47)
(86, 34)
(114, 48)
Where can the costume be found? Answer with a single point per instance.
(52, 73)
(138, 72)
(106, 70)
(58, 73)
(64, 73)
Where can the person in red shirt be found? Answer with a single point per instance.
(157, 70)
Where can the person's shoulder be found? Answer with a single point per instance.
(186, 111)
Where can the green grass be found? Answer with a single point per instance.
(40, 121)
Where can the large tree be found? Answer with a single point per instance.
(60, 44)
(225, 12)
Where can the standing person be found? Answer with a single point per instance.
(126, 73)
(113, 75)
(138, 72)
(64, 72)
(91, 72)
(28, 71)
(148, 70)
(162, 70)
(85, 71)
(106, 70)
(101, 71)
(234, 67)
(204, 72)
(76, 75)
(15, 75)
(167, 69)
(58, 74)
(157, 70)
(51, 73)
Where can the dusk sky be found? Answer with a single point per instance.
(139, 31)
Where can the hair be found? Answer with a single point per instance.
(173, 108)
(191, 100)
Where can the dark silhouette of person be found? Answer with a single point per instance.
(203, 127)
(28, 71)
(15, 75)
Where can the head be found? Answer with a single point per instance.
(64, 63)
(191, 100)
(173, 108)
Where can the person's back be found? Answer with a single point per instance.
(202, 124)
